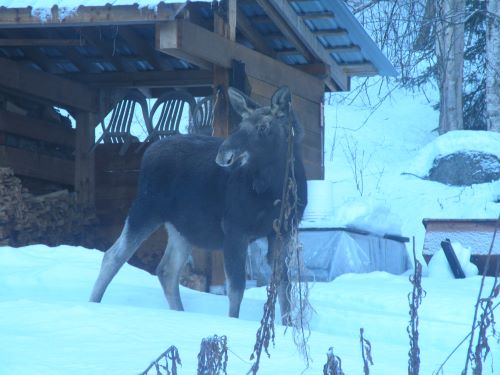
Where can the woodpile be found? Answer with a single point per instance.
(49, 219)
(56, 218)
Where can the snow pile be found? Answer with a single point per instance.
(49, 328)
(326, 210)
(372, 217)
(439, 267)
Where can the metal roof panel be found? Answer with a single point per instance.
(358, 36)
(343, 19)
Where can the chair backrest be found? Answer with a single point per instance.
(203, 117)
(166, 114)
(118, 127)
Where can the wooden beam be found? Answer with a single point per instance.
(172, 78)
(286, 29)
(193, 40)
(319, 70)
(47, 87)
(42, 60)
(221, 81)
(78, 60)
(143, 48)
(261, 19)
(85, 15)
(27, 163)
(232, 12)
(105, 48)
(305, 16)
(288, 52)
(36, 128)
(360, 69)
(71, 53)
(317, 15)
(331, 32)
(245, 26)
(84, 159)
(33, 53)
(170, 36)
(195, 91)
(344, 49)
(27, 42)
(303, 32)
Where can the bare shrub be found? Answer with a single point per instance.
(287, 250)
(366, 352)
(486, 319)
(415, 300)
(333, 365)
(171, 358)
(212, 358)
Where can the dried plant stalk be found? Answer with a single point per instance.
(487, 318)
(212, 358)
(333, 365)
(287, 251)
(171, 358)
(366, 352)
(415, 300)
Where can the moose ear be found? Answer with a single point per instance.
(239, 101)
(281, 99)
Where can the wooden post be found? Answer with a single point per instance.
(84, 159)
(221, 83)
(221, 78)
(452, 259)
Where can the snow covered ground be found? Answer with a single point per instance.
(48, 327)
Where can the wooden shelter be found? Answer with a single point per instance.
(83, 57)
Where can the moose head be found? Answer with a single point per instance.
(261, 133)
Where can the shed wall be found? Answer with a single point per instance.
(310, 114)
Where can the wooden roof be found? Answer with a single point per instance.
(139, 44)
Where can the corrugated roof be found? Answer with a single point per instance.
(335, 28)
(336, 38)
(357, 36)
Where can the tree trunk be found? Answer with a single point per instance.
(493, 66)
(450, 55)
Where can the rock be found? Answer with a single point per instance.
(465, 168)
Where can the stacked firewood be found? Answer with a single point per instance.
(50, 219)
(11, 203)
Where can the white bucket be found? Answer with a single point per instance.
(319, 200)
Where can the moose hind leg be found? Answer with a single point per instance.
(171, 265)
(114, 258)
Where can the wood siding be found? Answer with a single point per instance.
(309, 113)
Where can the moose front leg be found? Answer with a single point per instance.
(235, 252)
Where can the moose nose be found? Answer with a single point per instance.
(224, 158)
